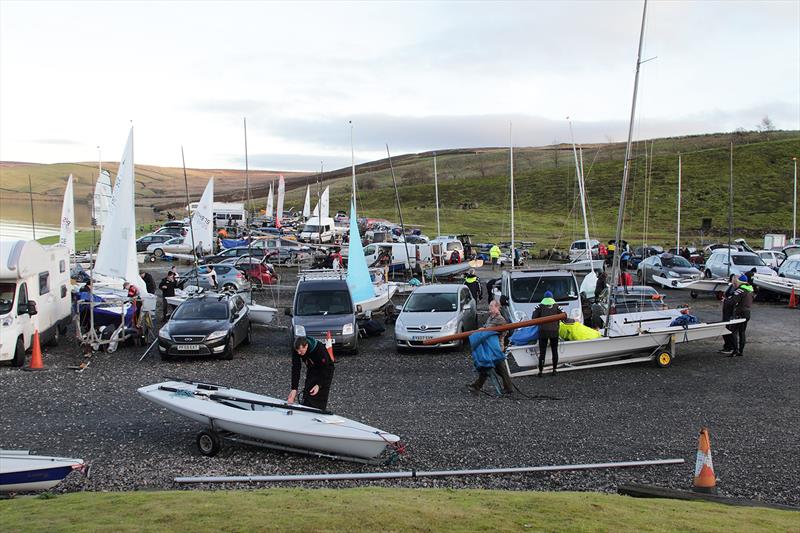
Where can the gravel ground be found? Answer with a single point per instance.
(750, 405)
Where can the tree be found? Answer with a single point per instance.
(766, 125)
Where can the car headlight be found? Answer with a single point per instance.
(216, 335)
(299, 331)
(163, 333)
(398, 325)
(451, 325)
(673, 274)
(347, 329)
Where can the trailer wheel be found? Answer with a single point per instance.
(158, 253)
(693, 294)
(664, 359)
(19, 354)
(209, 443)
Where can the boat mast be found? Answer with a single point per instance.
(794, 204)
(511, 166)
(579, 174)
(30, 196)
(352, 165)
(399, 211)
(246, 173)
(436, 188)
(678, 240)
(730, 213)
(189, 209)
(626, 171)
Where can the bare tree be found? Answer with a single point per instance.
(765, 125)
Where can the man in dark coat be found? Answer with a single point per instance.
(167, 287)
(548, 333)
(319, 372)
(741, 301)
(149, 282)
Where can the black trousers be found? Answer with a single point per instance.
(502, 370)
(320, 399)
(543, 351)
(739, 337)
(728, 339)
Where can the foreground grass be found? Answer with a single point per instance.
(365, 509)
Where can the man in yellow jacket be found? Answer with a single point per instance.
(494, 253)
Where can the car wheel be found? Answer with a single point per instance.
(249, 338)
(708, 274)
(53, 342)
(158, 252)
(640, 278)
(693, 294)
(227, 354)
(166, 356)
(19, 354)
(209, 443)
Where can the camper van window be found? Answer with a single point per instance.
(236, 217)
(62, 266)
(44, 283)
(453, 246)
(63, 291)
(6, 297)
(369, 250)
(22, 300)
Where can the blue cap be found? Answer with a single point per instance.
(742, 278)
(548, 294)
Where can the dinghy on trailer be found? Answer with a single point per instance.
(22, 472)
(695, 286)
(246, 417)
(777, 284)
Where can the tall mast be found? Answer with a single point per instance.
(352, 165)
(30, 195)
(678, 240)
(511, 166)
(189, 209)
(436, 188)
(582, 191)
(794, 204)
(625, 173)
(730, 213)
(399, 211)
(246, 171)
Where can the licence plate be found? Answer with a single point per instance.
(421, 337)
(188, 347)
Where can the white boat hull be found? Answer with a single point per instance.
(261, 314)
(605, 348)
(777, 284)
(22, 472)
(306, 430)
(698, 285)
(583, 265)
(383, 295)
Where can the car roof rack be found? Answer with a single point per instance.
(322, 273)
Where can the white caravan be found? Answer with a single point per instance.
(317, 230)
(34, 295)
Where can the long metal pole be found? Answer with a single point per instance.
(246, 171)
(436, 188)
(579, 173)
(730, 213)
(626, 170)
(678, 240)
(511, 167)
(425, 473)
(352, 165)
(399, 211)
(189, 209)
(30, 196)
(794, 203)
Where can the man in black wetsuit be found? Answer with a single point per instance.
(319, 372)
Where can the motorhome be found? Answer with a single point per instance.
(317, 230)
(447, 244)
(397, 252)
(34, 296)
(226, 214)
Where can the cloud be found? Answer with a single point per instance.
(59, 142)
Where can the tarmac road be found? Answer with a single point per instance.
(750, 404)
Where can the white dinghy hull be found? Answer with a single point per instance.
(583, 265)
(22, 472)
(270, 419)
(777, 284)
(698, 285)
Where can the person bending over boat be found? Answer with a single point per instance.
(319, 372)
(548, 333)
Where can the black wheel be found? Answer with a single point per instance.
(708, 274)
(640, 278)
(53, 342)
(228, 353)
(249, 338)
(19, 354)
(664, 359)
(62, 329)
(209, 443)
(693, 294)
(229, 287)
(165, 356)
(158, 252)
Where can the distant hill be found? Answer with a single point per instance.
(474, 187)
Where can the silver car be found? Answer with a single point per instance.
(717, 265)
(790, 268)
(228, 278)
(435, 311)
(666, 266)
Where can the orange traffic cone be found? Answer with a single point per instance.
(36, 354)
(792, 300)
(329, 345)
(704, 478)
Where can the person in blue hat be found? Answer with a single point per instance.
(548, 333)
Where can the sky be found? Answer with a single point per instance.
(417, 76)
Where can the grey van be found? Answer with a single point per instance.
(323, 305)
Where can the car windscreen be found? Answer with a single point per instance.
(431, 302)
(532, 289)
(747, 260)
(201, 310)
(7, 291)
(320, 303)
(675, 261)
(310, 229)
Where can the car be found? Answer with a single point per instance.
(633, 299)
(258, 270)
(323, 306)
(790, 268)
(143, 242)
(434, 311)
(772, 258)
(717, 265)
(577, 250)
(206, 325)
(524, 290)
(792, 249)
(229, 278)
(640, 253)
(175, 231)
(666, 266)
(239, 251)
(175, 245)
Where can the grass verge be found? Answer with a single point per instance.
(376, 509)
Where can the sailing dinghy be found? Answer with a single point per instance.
(21, 472)
(274, 423)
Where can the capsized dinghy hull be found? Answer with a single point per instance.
(270, 419)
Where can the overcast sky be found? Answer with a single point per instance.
(416, 75)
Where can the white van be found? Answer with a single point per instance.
(317, 230)
(448, 245)
(399, 257)
(226, 213)
(34, 295)
(577, 250)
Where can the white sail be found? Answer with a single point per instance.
(102, 197)
(201, 229)
(324, 204)
(68, 219)
(117, 255)
(270, 202)
(279, 209)
(307, 204)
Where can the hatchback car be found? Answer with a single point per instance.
(772, 258)
(231, 253)
(228, 278)
(206, 325)
(433, 311)
(143, 242)
(790, 268)
(175, 245)
(666, 266)
(717, 265)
